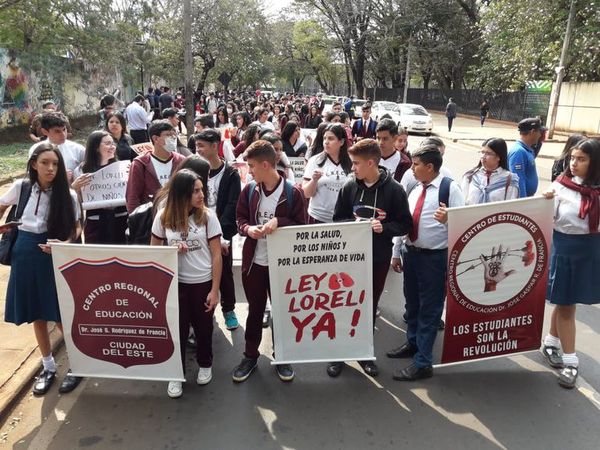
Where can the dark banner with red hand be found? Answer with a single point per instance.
(498, 259)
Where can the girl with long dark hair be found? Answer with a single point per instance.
(51, 215)
(186, 222)
(575, 256)
(290, 136)
(102, 225)
(326, 173)
(490, 180)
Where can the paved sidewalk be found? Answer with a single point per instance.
(468, 130)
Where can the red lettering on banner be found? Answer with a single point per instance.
(325, 324)
(300, 325)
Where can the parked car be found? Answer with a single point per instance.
(413, 117)
(382, 108)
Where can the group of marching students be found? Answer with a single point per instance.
(357, 171)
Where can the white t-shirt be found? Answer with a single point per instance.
(322, 204)
(391, 163)
(266, 211)
(72, 152)
(35, 214)
(213, 189)
(195, 265)
(163, 169)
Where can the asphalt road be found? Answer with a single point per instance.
(511, 402)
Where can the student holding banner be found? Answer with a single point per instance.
(372, 194)
(187, 223)
(425, 261)
(149, 172)
(50, 213)
(223, 193)
(490, 180)
(105, 225)
(264, 205)
(575, 257)
(326, 173)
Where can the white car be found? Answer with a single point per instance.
(380, 109)
(413, 117)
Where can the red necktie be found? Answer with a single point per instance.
(414, 234)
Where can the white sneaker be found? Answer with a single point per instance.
(204, 375)
(175, 389)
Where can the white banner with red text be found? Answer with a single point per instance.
(322, 292)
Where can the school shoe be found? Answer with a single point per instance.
(43, 382)
(413, 373)
(568, 376)
(204, 375)
(552, 356)
(175, 389)
(285, 372)
(231, 322)
(406, 350)
(334, 368)
(69, 383)
(369, 367)
(266, 319)
(244, 370)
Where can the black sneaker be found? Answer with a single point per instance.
(69, 383)
(369, 367)
(334, 368)
(43, 382)
(285, 372)
(553, 357)
(568, 376)
(244, 370)
(266, 319)
(441, 325)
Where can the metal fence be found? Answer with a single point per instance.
(510, 106)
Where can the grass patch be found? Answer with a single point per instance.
(13, 158)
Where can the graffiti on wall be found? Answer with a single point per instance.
(15, 108)
(73, 86)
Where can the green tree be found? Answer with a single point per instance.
(523, 43)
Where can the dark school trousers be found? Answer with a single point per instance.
(380, 272)
(227, 287)
(192, 312)
(257, 289)
(425, 291)
(450, 120)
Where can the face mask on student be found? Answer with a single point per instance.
(171, 144)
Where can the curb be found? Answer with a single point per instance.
(20, 381)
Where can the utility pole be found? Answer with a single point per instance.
(407, 73)
(188, 67)
(560, 73)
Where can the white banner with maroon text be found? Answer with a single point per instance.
(498, 259)
(322, 292)
(107, 187)
(119, 310)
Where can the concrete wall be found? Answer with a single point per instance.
(579, 108)
(75, 87)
